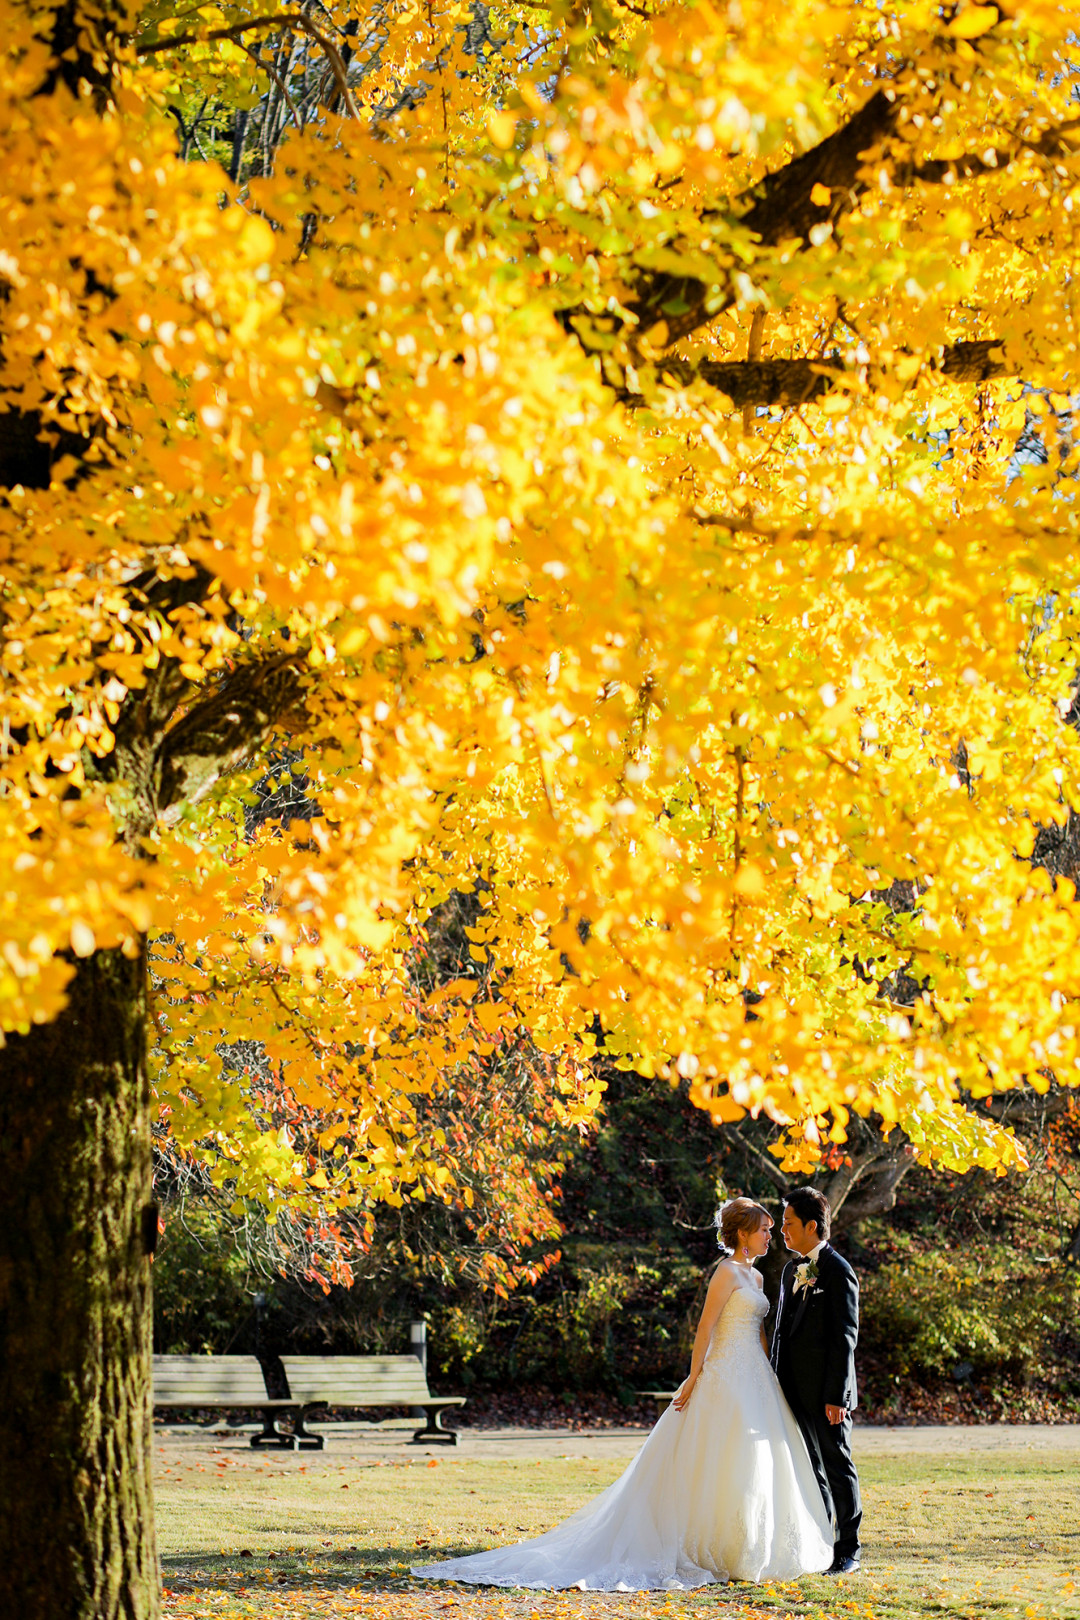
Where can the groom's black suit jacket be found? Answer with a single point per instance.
(813, 1345)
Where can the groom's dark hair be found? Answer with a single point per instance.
(811, 1205)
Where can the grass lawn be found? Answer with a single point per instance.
(303, 1538)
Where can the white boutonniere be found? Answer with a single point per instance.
(806, 1276)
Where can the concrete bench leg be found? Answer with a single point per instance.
(434, 1432)
(303, 1438)
(271, 1435)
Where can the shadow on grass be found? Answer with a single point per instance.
(324, 1567)
(386, 1570)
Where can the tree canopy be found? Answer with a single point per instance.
(624, 451)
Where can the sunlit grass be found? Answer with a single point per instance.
(298, 1537)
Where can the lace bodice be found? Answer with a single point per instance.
(746, 1309)
(735, 1347)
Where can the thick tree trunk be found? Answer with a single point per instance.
(76, 1228)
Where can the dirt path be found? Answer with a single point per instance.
(355, 1443)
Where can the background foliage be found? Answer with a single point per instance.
(971, 1309)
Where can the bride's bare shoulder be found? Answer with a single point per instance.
(724, 1271)
(728, 1274)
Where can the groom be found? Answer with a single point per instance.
(813, 1352)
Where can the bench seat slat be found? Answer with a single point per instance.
(194, 1403)
(301, 1388)
(228, 1390)
(370, 1403)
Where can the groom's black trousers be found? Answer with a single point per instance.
(829, 1445)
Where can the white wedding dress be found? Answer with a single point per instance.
(721, 1491)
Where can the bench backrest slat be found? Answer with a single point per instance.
(357, 1380)
(211, 1378)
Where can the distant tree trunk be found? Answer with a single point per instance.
(240, 128)
(76, 1230)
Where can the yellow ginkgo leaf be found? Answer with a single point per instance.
(501, 127)
(974, 21)
(749, 881)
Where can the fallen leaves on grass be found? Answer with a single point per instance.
(323, 1603)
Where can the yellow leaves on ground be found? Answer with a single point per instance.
(323, 1603)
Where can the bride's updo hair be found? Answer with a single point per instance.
(736, 1216)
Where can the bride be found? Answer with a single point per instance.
(723, 1488)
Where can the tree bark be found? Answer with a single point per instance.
(790, 383)
(781, 205)
(872, 1189)
(77, 1226)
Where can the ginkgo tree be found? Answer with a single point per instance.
(588, 440)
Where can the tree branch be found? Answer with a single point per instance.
(147, 710)
(297, 21)
(272, 72)
(217, 733)
(777, 209)
(790, 383)
(780, 207)
(337, 65)
(288, 19)
(768, 1166)
(868, 1185)
(876, 1193)
(971, 165)
(1027, 1106)
(865, 1187)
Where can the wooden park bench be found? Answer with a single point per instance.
(662, 1397)
(221, 1384)
(317, 1382)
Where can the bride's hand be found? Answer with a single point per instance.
(682, 1395)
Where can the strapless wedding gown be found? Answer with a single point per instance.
(719, 1492)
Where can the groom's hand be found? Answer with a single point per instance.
(836, 1414)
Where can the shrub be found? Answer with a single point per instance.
(203, 1289)
(973, 1312)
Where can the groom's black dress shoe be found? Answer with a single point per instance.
(843, 1564)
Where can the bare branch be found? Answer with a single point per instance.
(1026, 1106)
(288, 19)
(271, 70)
(334, 57)
(875, 1194)
(295, 20)
(768, 1166)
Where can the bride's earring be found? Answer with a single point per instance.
(745, 1252)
